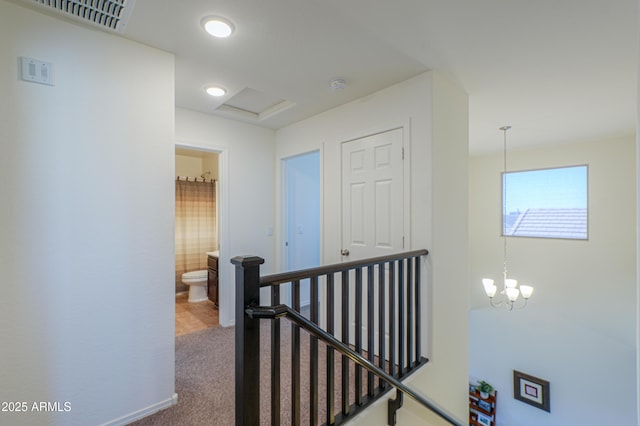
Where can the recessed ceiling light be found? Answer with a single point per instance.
(218, 26)
(216, 91)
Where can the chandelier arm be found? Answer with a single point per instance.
(523, 305)
(496, 304)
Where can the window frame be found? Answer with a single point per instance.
(503, 200)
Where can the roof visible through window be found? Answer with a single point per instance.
(546, 203)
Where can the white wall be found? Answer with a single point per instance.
(210, 164)
(433, 114)
(196, 163)
(578, 331)
(247, 191)
(188, 166)
(86, 241)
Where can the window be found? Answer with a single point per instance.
(546, 203)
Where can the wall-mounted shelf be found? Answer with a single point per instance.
(482, 411)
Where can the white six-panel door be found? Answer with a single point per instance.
(372, 195)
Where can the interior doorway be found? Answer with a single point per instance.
(301, 227)
(197, 239)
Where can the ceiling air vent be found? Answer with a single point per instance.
(107, 14)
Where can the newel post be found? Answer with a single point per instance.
(247, 341)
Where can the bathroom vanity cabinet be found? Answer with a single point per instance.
(212, 282)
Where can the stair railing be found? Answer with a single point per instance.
(392, 356)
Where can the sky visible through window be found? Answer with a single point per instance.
(545, 192)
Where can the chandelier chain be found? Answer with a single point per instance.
(504, 183)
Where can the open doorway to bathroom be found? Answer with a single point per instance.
(197, 234)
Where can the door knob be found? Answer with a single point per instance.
(344, 252)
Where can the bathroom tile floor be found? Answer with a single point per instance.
(192, 317)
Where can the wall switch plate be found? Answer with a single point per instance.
(36, 71)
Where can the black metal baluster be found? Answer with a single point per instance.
(418, 316)
(409, 312)
(275, 360)
(295, 357)
(331, 419)
(370, 327)
(358, 331)
(381, 321)
(392, 319)
(401, 316)
(313, 355)
(345, 340)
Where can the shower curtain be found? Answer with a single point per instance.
(196, 229)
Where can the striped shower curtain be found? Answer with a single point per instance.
(196, 229)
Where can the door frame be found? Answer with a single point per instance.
(331, 190)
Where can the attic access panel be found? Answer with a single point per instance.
(254, 104)
(546, 203)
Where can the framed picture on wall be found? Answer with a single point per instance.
(531, 390)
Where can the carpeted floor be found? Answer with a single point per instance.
(204, 381)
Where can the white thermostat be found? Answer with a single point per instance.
(36, 71)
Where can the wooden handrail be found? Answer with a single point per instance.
(285, 277)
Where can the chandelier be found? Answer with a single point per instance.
(511, 292)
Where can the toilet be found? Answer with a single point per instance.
(197, 282)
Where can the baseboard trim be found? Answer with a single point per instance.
(147, 411)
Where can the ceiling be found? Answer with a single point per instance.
(556, 71)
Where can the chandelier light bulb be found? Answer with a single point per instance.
(491, 291)
(526, 291)
(489, 287)
(512, 294)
